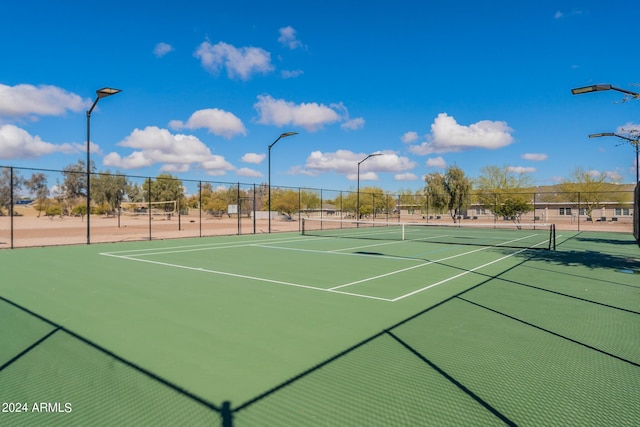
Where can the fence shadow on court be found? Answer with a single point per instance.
(385, 379)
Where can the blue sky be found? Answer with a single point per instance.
(207, 86)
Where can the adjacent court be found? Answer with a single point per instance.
(346, 324)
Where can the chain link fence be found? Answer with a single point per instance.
(40, 207)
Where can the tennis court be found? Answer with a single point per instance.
(344, 325)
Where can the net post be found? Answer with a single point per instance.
(302, 225)
(226, 414)
(402, 231)
(553, 228)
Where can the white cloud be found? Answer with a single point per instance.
(240, 62)
(311, 116)
(536, 157)
(449, 136)
(218, 122)
(409, 137)
(162, 49)
(364, 176)
(16, 143)
(346, 162)
(436, 162)
(614, 176)
(288, 38)
(176, 152)
(291, 74)
(629, 128)
(253, 158)
(407, 176)
(216, 165)
(248, 172)
(559, 14)
(175, 168)
(520, 169)
(26, 100)
(299, 170)
(353, 124)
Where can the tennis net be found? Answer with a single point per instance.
(511, 235)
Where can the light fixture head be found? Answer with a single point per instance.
(592, 88)
(107, 91)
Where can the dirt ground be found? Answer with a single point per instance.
(30, 230)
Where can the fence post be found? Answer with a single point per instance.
(636, 212)
(578, 211)
(200, 205)
(299, 209)
(239, 210)
(149, 204)
(387, 209)
(11, 204)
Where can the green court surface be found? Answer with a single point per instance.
(291, 330)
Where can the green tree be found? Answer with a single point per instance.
(412, 201)
(586, 188)
(215, 202)
(503, 191)
(373, 200)
(436, 191)
(75, 179)
(166, 188)
(6, 187)
(349, 202)
(108, 188)
(285, 200)
(74, 186)
(309, 200)
(135, 193)
(37, 185)
(449, 191)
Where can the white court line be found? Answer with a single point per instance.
(456, 276)
(195, 248)
(332, 290)
(426, 263)
(365, 246)
(317, 251)
(462, 274)
(402, 270)
(243, 276)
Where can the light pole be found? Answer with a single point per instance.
(101, 93)
(358, 194)
(282, 135)
(601, 87)
(632, 141)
